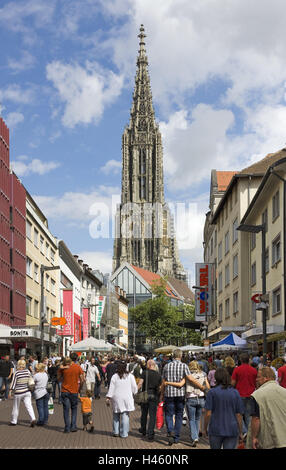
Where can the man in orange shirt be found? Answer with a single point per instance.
(72, 377)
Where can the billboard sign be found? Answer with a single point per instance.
(203, 297)
(99, 309)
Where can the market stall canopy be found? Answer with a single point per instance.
(118, 346)
(231, 341)
(193, 347)
(91, 344)
(166, 349)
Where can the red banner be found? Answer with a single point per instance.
(85, 322)
(77, 328)
(68, 312)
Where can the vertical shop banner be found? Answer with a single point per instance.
(68, 312)
(203, 297)
(77, 328)
(99, 309)
(85, 322)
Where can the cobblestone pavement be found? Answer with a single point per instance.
(23, 436)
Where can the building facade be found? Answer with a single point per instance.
(144, 229)
(230, 251)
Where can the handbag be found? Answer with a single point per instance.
(49, 387)
(160, 415)
(31, 384)
(142, 397)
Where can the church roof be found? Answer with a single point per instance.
(151, 278)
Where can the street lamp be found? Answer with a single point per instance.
(256, 229)
(43, 313)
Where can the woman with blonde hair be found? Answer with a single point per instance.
(21, 391)
(41, 395)
(229, 365)
(195, 399)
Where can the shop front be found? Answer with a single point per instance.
(23, 341)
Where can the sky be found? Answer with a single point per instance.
(67, 70)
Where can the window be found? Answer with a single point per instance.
(28, 305)
(275, 206)
(234, 231)
(219, 252)
(42, 244)
(235, 267)
(220, 282)
(47, 283)
(265, 219)
(47, 250)
(252, 241)
(215, 238)
(52, 255)
(227, 275)
(276, 250)
(253, 274)
(226, 243)
(36, 273)
(220, 312)
(267, 260)
(276, 301)
(36, 309)
(235, 302)
(28, 229)
(227, 308)
(53, 287)
(28, 267)
(36, 237)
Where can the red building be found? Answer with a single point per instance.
(12, 240)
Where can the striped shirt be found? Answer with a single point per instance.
(20, 381)
(174, 372)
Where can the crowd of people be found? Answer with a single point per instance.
(234, 400)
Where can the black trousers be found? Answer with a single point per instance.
(151, 409)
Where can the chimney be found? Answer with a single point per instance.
(80, 261)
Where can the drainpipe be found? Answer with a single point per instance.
(284, 237)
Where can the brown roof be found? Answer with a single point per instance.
(262, 166)
(152, 279)
(182, 288)
(223, 179)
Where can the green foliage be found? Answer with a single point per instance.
(158, 320)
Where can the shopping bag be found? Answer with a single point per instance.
(51, 406)
(160, 415)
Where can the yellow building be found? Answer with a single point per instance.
(228, 249)
(268, 208)
(41, 250)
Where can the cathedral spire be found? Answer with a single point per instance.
(142, 50)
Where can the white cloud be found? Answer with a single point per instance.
(17, 94)
(101, 260)
(23, 167)
(13, 119)
(112, 167)
(85, 92)
(27, 61)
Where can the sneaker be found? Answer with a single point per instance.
(12, 424)
(171, 440)
(115, 435)
(33, 423)
(91, 429)
(142, 432)
(193, 444)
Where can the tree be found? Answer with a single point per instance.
(158, 319)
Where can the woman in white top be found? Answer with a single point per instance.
(195, 399)
(121, 390)
(41, 395)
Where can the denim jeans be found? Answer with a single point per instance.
(194, 409)
(227, 442)
(246, 414)
(97, 389)
(43, 409)
(70, 402)
(174, 406)
(151, 408)
(6, 382)
(121, 424)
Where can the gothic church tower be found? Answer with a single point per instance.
(144, 232)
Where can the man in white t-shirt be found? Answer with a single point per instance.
(90, 375)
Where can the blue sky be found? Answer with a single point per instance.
(67, 73)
